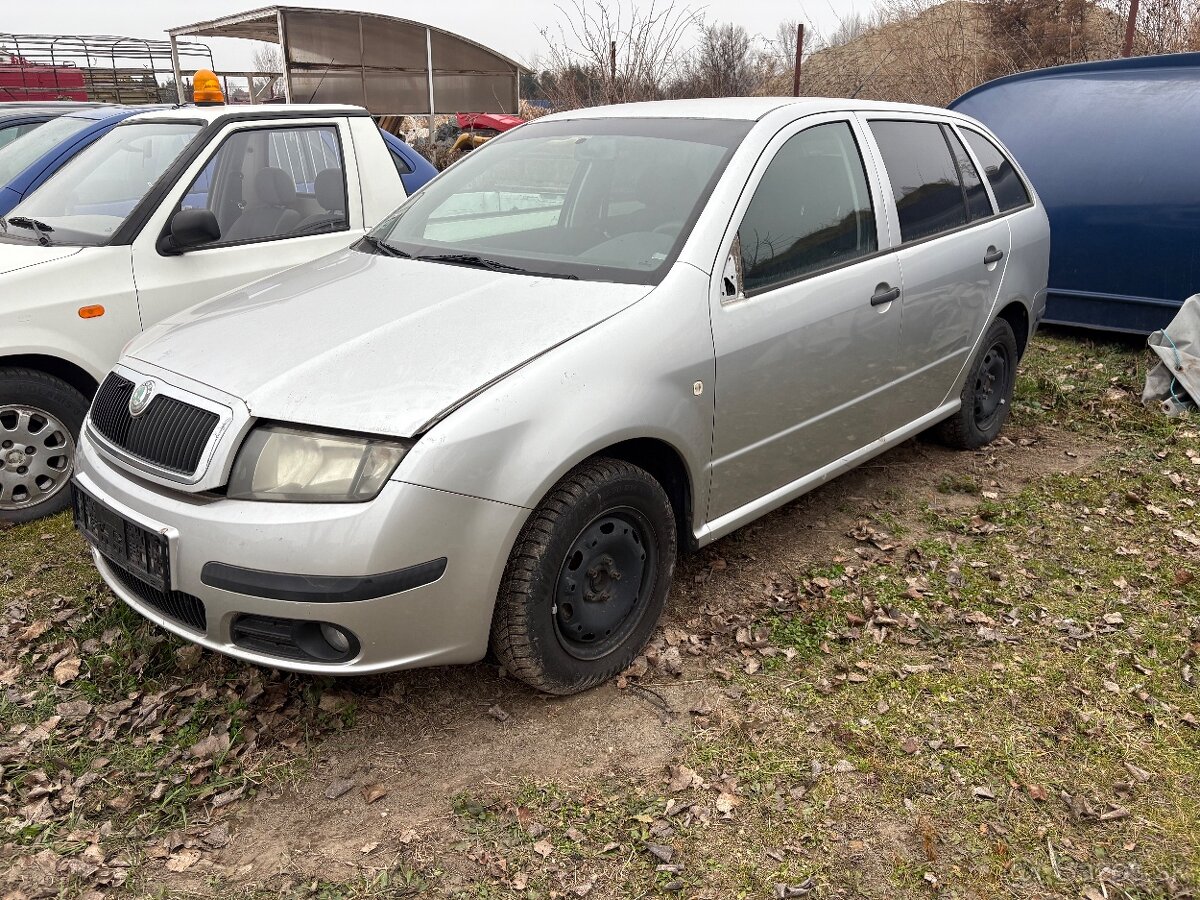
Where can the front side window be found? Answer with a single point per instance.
(811, 210)
(88, 199)
(265, 183)
(925, 182)
(1001, 173)
(606, 199)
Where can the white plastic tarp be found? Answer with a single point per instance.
(1174, 384)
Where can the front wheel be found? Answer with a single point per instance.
(987, 392)
(586, 582)
(40, 418)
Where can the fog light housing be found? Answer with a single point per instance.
(335, 637)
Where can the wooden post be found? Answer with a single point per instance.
(799, 50)
(612, 72)
(1130, 26)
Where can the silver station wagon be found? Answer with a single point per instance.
(606, 337)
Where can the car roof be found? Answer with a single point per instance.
(745, 108)
(189, 112)
(103, 113)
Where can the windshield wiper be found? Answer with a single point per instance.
(480, 262)
(42, 229)
(384, 248)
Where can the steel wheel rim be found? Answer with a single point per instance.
(991, 386)
(604, 583)
(37, 455)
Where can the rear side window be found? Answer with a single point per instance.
(978, 204)
(402, 166)
(925, 181)
(811, 211)
(1001, 173)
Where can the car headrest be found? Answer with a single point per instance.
(273, 187)
(330, 189)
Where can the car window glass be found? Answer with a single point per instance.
(18, 155)
(811, 210)
(402, 166)
(978, 204)
(1001, 174)
(10, 133)
(925, 184)
(266, 183)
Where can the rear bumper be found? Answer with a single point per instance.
(436, 556)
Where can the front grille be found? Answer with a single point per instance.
(170, 434)
(175, 605)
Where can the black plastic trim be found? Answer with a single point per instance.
(320, 588)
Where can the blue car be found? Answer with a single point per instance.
(17, 119)
(28, 161)
(414, 169)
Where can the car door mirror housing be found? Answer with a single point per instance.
(188, 229)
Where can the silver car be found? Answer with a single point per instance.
(606, 337)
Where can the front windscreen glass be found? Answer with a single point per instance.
(19, 155)
(87, 200)
(595, 199)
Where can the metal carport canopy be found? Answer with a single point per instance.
(390, 66)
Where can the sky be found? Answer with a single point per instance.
(513, 28)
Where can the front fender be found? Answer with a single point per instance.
(630, 377)
(39, 314)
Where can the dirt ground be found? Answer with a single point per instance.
(427, 736)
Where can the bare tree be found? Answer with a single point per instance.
(725, 63)
(615, 51)
(267, 58)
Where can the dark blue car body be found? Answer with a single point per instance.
(420, 170)
(93, 123)
(1112, 149)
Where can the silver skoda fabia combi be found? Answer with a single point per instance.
(605, 337)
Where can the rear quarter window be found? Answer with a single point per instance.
(1001, 174)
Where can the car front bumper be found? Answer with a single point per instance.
(301, 559)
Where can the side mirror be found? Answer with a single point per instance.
(188, 229)
(731, 277)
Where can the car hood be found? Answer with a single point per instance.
(374, 344)
(22, 256)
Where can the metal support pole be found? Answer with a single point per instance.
(799, 51)
(175, 70)
(612, 72)
(1130, 27)
(283, 53)
(429, 72)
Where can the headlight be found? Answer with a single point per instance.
(288, 464)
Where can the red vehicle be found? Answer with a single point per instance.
(483, 122)
(21, 79)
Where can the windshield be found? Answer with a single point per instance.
(596, 199)
(19, 155)
(88, 199)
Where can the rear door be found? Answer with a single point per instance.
(804, 356)
(952, 254)
(279, 193)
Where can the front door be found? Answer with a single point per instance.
(952, 256)
(805, 353)
(279, 196)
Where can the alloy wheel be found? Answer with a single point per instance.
(37, 454)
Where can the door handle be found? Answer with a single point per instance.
(992, 256)
(884, 294)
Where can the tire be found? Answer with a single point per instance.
(576, 604)
(986, 393)
(44, 413)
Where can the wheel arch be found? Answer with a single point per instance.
(666, 465)
(73, 374)
(1017, 316)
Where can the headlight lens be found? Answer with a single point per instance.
(288, 464)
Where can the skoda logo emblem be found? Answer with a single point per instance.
(141, 397)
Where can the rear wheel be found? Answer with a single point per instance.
(40, 418)
(587, 579)
(986, 393)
